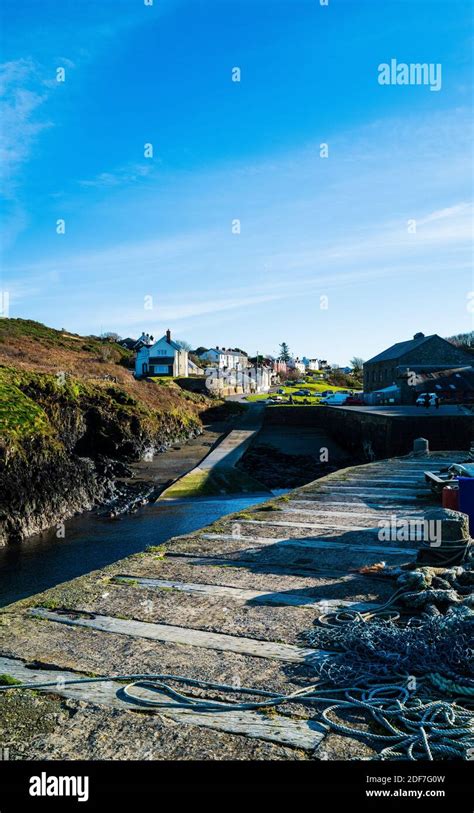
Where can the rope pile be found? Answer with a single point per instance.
(430, 589)
(392, 671)
(434, 588)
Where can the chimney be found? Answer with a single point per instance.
(168, 336)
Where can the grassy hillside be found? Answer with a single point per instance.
(71, 415)
(46, 375)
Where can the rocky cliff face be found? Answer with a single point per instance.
(44, 486)
(64, 444)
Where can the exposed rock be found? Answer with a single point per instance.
(46, 479)
(276, 469)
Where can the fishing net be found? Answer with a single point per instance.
(380, 649)
(413, 680)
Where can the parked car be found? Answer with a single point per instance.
(354, 400)
(276, 399)
(420, 401)
(326, 393)
(337, 399)
(281, 391)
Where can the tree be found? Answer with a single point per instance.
(184, 344)
(111, 336)
(284, 352)
(195, 359)
(290, 375)
(463, 340)
(357, 364)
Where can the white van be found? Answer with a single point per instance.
(337, 399)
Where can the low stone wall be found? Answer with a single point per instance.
(372, 435)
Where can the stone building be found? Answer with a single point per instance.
(404, 363)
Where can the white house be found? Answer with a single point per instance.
(313, 365)
(226, 359)
(252, 379)
(296, 364)
(164, 357)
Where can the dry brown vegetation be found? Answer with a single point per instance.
(30, 346)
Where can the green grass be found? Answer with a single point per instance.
(25, 396)
(160, 550)
(20, 416)
(51, 604)
(201, 483)
(32, 405)
(8, 680)
(128, 582)
(164, 380)
(315, 388)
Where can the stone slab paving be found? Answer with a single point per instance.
(244, 596)
(304, 734)
(227, 604)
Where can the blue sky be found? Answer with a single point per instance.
(311, 227)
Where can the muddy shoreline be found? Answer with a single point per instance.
(148, 478)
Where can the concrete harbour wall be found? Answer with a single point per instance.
(372, 435)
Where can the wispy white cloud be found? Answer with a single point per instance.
(127, 174)
(309, 227)
(22, 94)
(463, 209)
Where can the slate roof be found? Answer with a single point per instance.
(226, 352)
(400, 349)
(128, 343)
(171, 343)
